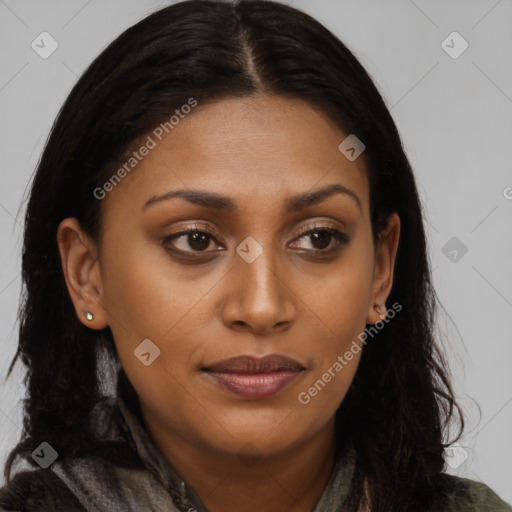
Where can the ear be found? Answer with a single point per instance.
(78, 254)
(383, 270)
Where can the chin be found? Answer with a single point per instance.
(259, 437)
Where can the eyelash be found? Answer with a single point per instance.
(340, 238)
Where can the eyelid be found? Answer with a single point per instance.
(197, 226)
(319, 224)
(341, 239)
(213, 233)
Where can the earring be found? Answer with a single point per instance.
(88, 316)
(383, 314)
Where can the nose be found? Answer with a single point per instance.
(259, 297)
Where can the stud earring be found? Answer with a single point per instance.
(88, 316)
(382, 314)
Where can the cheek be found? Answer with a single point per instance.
(340, 301)
(326, 388)
(340, 297)
(147, 294)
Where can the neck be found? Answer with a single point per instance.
(292, 480)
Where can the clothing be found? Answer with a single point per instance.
(145, 481)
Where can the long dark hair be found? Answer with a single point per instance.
(400, 404)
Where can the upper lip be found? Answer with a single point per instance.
(249, 364)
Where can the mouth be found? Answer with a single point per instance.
(255, 378)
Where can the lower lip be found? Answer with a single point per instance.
(255, 385)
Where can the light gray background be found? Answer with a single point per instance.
(455, 118)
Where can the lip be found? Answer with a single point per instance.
(255, 378)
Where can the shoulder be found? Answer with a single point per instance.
(471, 496)
(35, 490)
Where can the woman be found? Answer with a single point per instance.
(228, 300)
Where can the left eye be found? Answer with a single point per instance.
(321, 238)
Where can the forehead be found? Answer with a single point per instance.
(259, 146)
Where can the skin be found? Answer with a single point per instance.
(259, 151)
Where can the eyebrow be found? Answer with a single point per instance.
(223, 203)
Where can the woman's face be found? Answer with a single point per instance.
(260, 173)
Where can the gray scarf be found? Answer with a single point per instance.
(101, 486)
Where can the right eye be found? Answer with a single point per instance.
(194, 240)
